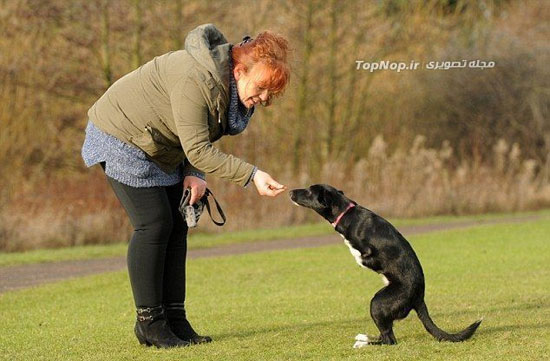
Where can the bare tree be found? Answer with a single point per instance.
(303, 87)
(333, 40)
(178, 38)
(104, 38)
(137, 57)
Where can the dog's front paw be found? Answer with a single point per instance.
(361, 341)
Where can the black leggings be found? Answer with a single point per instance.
(158, 247)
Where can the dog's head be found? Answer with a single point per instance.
(326, 200)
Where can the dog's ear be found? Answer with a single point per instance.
(321, 196)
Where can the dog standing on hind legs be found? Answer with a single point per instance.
(377, 245)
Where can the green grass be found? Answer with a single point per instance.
(307, 304)
(202, 240)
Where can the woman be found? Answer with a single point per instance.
(152, 133)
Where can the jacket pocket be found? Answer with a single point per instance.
(215, 130)
(159, 149)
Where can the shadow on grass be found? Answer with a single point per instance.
(483, 330)
(295, 327)
(497, 329)
(544, 304)
(359, 325)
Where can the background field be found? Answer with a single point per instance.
(409, 144)
(307, 304)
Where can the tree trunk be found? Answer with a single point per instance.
(179, 25)
(105, 49)
(137, 58)
(303, 90)
(328, 142)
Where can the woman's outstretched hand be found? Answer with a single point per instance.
(266, 185)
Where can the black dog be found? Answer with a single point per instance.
(376, 244)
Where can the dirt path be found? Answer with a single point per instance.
(22, 276)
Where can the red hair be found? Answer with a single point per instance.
(269, 50)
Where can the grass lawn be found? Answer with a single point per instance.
(202, 240)
(307, 304)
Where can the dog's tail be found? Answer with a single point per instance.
(438, 333)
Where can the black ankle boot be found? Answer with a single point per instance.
(152, 329)
(177, 320)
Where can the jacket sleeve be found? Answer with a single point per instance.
(191, 117)
(188, 169)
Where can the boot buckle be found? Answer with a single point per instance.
(144, 318)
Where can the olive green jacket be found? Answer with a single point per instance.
(175, 106)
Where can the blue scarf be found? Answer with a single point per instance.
(238, 115)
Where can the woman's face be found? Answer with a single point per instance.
(250, 91)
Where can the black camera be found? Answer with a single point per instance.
(192, 213)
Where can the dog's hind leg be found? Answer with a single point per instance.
(385, 307)
(383, 321)
(385, 326)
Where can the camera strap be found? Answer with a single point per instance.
(218, 207)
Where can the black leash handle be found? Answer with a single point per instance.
(218, 207)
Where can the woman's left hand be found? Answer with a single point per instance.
(197, 185)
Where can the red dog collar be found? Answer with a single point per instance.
(335, 223)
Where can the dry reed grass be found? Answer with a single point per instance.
(415, 182)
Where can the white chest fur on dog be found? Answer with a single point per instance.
(355, 253)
